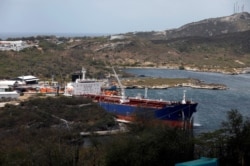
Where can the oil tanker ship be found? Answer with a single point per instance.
(131, 109)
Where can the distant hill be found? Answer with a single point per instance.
(238, 22)
(216, 44)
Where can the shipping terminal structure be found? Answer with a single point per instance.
(133, 109)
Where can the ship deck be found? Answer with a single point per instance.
(133, 101)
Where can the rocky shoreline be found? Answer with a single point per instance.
(233, 71)
(165, 83)
(206, 86)
(197, 84)
(194, 86)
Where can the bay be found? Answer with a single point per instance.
(213, 105)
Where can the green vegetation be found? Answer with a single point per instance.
(51, 58)
(148, 82)
(150, 145)
(231, 143)
(62, 56)
(46, 131)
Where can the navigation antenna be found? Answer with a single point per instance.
(184, 97)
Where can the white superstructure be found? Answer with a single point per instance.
(83, 86)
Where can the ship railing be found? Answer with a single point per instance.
(179, 110)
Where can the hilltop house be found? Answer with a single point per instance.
(14, 45)
(29, 79)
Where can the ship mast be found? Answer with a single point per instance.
(123, 98)
(184, 97)
(83, 73)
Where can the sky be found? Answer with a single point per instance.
(109, 16)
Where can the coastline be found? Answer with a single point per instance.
(165, 83)
(190, 85)
(160, 83)
(235, 71)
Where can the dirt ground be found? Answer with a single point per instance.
(25, 96)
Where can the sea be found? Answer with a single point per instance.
(5, 36)
(213, 105)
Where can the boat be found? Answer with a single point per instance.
(134, 109)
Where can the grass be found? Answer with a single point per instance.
(156, 81)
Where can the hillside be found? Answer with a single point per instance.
(238, 22)
(216, 44)
(45, 131)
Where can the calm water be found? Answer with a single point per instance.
(213, 104)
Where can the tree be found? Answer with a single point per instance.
(231, 143)
(237, 131)
(151, 145)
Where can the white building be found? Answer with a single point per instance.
(13, 45)
(10, 83)
(6, 92)
(117, 37)
(29, 79)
